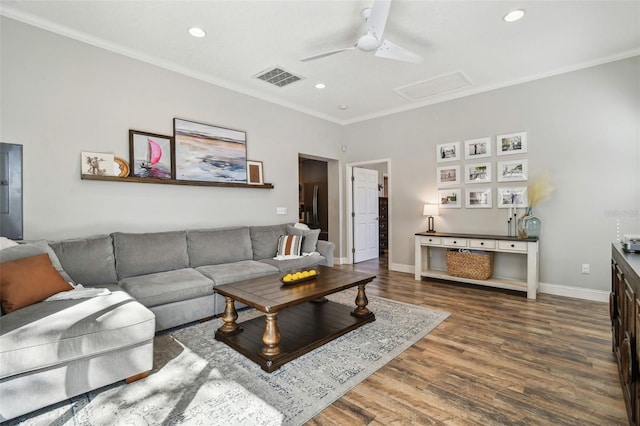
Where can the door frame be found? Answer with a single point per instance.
(349, 205)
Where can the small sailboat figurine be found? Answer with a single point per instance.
(154, 154)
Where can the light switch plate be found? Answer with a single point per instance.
(281, 210)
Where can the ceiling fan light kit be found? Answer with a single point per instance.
(376, 18)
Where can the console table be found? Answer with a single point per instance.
(527, 248)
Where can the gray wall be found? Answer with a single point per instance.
(60, 97)
(582, 128)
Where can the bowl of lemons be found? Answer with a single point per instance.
(294, 277)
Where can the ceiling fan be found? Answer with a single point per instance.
(376, 18)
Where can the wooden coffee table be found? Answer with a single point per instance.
(297, 317)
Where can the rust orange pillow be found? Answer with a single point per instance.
(26, 281)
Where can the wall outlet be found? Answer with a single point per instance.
(281, 210)
(585, 268)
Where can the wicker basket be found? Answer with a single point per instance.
(478, 266)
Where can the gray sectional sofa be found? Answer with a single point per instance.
(54, 350)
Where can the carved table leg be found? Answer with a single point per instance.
(271, 336)
(229, 317)
(361, 301)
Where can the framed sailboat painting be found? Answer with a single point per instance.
(150, 155)
(209, 153)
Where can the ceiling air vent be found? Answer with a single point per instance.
(277, 76)
(433, 87)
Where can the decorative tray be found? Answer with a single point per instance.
(290, 277)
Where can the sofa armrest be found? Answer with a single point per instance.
(326, 248)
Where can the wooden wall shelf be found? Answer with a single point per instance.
(175, 182)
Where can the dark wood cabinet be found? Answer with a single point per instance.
(624, 308)
(383, 224)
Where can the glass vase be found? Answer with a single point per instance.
(529, 225)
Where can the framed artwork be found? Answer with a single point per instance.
(477, 173)
(515, 170)
(209, 153)
(150, 155)
(448, 152)
(254, 173)
(479, 198)
(477, 148)
(512, 143)
(512, 197)
(449, 198)
(97, 163)
(448, 175)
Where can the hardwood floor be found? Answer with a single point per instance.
(499, 359)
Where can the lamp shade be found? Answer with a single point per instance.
(430, 210)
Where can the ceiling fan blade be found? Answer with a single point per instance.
(325, 54)
(393, 51)
(378, 17)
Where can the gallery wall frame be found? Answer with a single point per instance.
(512, 197)
(448, 175)
(479, 198)
(512, 170)
(477, 173)
(255, 175)
(448, 152)
(511, 143)
(150, 155)
(450, 198)
(477, 148)
(208, 153)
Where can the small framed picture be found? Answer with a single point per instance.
(450, 198)
(150, 155)
(512, 197)
(477, 148)
(512, 143)
(448, 175)
(479, 198)
(448, 152)
(254, 173)
(97, 163)
(477, 173)
(515, 170)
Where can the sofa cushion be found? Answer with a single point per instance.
(289, 245)
(167, 287)
(293, 264)
(30, 280)
(215, 246)
(264, 240)
(141, 254)
(49, 333)
(20, 251)
(237, 271)
(89, 261)
(310, 237)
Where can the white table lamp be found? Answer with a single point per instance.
(430, 210)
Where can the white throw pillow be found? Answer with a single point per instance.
(6, 243)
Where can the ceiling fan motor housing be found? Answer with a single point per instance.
(368, 42)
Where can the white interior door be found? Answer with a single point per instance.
(365, 214)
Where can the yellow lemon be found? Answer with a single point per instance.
(297, 276)
(287, 278)
(305, 274)
(312, 272)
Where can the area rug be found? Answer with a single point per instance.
(199, 381)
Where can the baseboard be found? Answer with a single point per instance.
(547, 288)
(577, 292)
(340, 261)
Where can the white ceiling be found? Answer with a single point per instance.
(247, 37)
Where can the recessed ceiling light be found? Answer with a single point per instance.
(514, 15)
(197, 32)
(320, 86)
(343, 107)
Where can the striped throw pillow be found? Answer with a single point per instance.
(289, 245)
